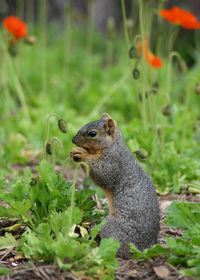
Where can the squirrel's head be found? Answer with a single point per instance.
(96, 135)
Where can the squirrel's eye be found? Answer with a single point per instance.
(92, 133)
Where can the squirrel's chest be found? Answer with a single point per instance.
(104, 174)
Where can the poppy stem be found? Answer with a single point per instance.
(91, 25)
(169, 71)
(47, 134)
(64, 165)
(110, 36)
(108, 94)
(19, 89)
(43, 39)
(187, 101)
(58, 141)
(143, 65)
(67, 38)
(125, 24)
(73, 190)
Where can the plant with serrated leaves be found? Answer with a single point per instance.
(183, 251)
(33, 203)
(52, 211)
(186, 250)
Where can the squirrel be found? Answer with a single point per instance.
(133, 205)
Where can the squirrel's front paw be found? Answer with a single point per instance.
(78, 154)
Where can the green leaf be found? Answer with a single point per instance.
(39, 244)
(76, 216)
(7, 241)
(180, 246)
(182, 214)
(47, 174)
(67, 249)
(63, 265)
(156, 250)
(4, 270)
(21, 207)
(27, 175)
(95, 230)
(2, 179)
(107, 250)
(6, 212)
(137, 254)
(177, 260)
(56, 221)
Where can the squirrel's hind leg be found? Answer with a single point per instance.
(117, 228)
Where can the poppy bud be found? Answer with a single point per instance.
(155, 85)
(62, 125)
(30, 40)
(136, 73)
(167, 110)
(197, 89)
(101, 212)
(133, 53)
(141, 154)
(48, 148)
(33, 181)
(140, 96)
(154, 88)
(12, 49)
(159, 131)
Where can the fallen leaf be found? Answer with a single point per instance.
(161, 271)
(14, 227)
(132, 273)
(83, 231)
(17, 258)
(164, 205)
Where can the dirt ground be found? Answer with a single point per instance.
(153, 269)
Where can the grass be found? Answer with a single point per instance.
(80, 77)
(85, 88)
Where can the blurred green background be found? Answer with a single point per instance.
(78, 66)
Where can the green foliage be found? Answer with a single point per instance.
(44, 206)
(4, 270)
(49, 193)
(183, 251)
(148, 253)
(7, 241)
(185, 215)
(174, 170)
(81, 78)
(83, 85)
(170, 169)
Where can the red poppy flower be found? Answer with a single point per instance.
(153, 60)
(15, 26)
(181, 17)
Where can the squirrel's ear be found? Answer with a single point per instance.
(105, 116)
(110, 126)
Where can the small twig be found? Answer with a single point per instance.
(44, 274)
(171, 266)
(6, 254)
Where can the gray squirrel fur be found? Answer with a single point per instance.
(134, 217)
